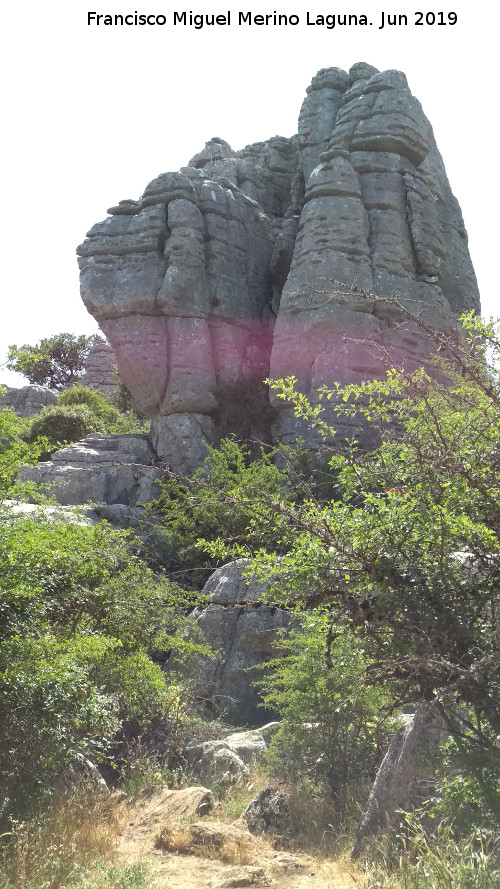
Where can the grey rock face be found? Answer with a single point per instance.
(79, 772)
(111, 469)
(267, 813)
(282, 258)
(100, 370)
(405, 776)
(28, 400)
(244, 632)
(230, 757)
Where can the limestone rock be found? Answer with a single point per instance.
(286, 257)
(267, 813)
(100, 370)
(244, 632)
(230, 757)
(74, 515)
(28, 400)
(79, 772)
(405, 776)
(158, 803)
(110, 469)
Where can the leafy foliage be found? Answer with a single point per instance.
(230, 497)
(334, 729)
(80, 618)
(56, 362)
(63, 425)
(15, 450)
(467, 799)
(78, 412)
(407, 555)
(114, 419)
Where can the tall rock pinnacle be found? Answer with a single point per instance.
(283, 258)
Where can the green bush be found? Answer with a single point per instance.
(78, 412)
(467, 797)
(114, 419)
(64, 424)
(334, 728)
(15, 451)
(231, 498)
(82, 622)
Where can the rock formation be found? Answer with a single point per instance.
(100, 370)
(406, 776)
(232, 756)
(244, 632)
(27, 400)
(283, 258)
(109, 469)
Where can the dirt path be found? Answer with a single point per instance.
(186, 851)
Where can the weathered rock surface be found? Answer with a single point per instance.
(79, 772)
(100, 370)
(28, 400)
(109, 469)
(267, 813)
(282, 258)
(157, 804)
(405, 777)
(244, 632)
(227, 759)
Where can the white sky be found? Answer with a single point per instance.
(91, 115)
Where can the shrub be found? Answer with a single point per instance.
(114, 419)
(78, 412)
(15, 451)
(334, 728)
(82, 622)
(231, 497)
(64, 424)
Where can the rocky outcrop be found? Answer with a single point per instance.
(109, 469)
(79, 772)
(26, 401)
(283, 258)
(230, 757)
(100, 370)
(244, 633)
(405, 778)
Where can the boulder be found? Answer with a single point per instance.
(244, 631)
(80, 772)
(159, 803)
(405, 777)
(230, 757)
(267, 813)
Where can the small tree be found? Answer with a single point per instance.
(56, 362)
(406, 558)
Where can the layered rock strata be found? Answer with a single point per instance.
(100, 370)
(110, 469)
(286, 257)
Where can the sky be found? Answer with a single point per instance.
(91, 114)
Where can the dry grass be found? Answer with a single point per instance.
(79, 830)
(241, 793)
(215, 844)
